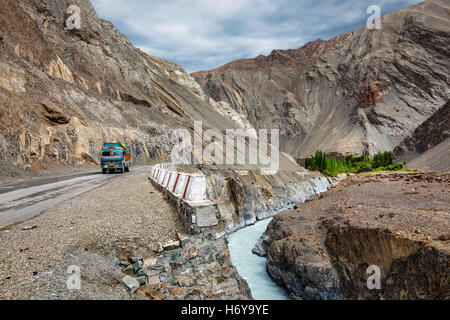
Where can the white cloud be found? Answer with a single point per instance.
(204, 34)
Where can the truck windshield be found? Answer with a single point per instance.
(117, 153)
(106, 153)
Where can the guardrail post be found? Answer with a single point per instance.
(187, 186)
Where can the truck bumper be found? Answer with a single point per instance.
(112, 167)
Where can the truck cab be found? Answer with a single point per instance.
(115, 157)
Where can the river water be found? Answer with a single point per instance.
(252, 267)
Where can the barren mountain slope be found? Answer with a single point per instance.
(436, 159)
(367, 88)
(429, 134)
(63, 92)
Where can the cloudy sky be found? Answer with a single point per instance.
(205, 34)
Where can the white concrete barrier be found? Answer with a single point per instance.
(180, 187)
(189, 187)
(196, 190)
(162, 175)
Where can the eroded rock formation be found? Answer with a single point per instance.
(373, 93)
(399, 223)
(244, 199)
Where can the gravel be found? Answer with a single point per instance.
(126, 217)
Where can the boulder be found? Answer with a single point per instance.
(131, 283)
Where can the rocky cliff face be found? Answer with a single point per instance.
(367, 88)
(244, 199)
(398, 223)
(63, 92)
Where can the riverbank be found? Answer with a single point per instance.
(398, 222)
(251, 267)
(239, 201)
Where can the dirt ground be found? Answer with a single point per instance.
(125, 217)
(415, 206)
(399, 222)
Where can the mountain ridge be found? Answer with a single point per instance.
(367, 89)
(64, 91)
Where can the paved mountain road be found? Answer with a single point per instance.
(25, 200)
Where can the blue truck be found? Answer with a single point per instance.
(115, 156)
